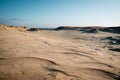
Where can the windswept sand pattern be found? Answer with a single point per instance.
(58, 55)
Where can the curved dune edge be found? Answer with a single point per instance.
(58, 55)
(37, 68)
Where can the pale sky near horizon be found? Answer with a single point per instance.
(54, 13)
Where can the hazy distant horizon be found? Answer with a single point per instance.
(55, 13)
(53, 27)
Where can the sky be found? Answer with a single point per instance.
(54, 13)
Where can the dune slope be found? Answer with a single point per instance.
(58, 55)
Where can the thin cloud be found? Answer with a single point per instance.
(10, 21)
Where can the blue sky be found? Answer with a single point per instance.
(54, 13)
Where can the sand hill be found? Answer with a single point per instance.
(32, 54)
(91, 29)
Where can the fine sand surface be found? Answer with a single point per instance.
(58, 55)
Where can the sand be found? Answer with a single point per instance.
(57, 55)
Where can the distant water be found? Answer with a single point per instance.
(47, 28)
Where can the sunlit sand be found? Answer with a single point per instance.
(58, 54)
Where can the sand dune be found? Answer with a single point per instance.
(58, 55)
